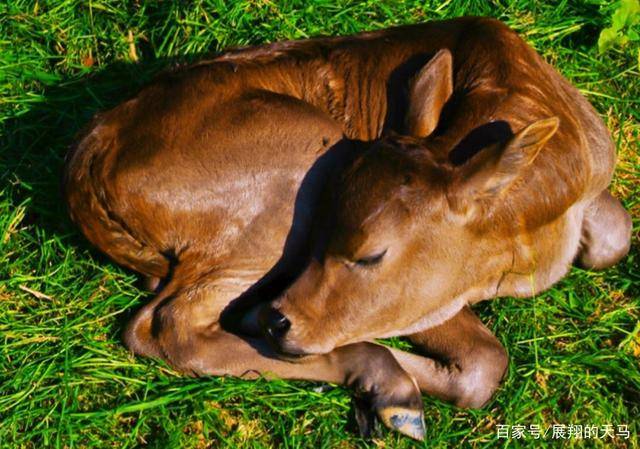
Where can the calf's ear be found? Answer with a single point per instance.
(490, 172)
(428, 92)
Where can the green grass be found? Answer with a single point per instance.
(66, 381)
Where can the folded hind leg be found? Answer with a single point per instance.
(181, 327)
(606, 233)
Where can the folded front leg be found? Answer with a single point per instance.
(463, 364)
(175, 328)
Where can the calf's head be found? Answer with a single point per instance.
(401, 233)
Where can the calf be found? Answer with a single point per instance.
(290, 203)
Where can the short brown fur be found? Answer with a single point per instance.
(497, 185)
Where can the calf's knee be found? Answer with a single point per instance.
(480, 375)
(606, 233)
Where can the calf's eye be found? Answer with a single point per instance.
(371, 260)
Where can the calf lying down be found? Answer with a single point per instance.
(292, 202)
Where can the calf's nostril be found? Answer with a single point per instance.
(277, 323)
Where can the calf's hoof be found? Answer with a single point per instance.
(394, 401)
(384, 392)
(406, 419)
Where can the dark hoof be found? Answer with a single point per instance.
(366, 418)
(407, 421)
(404, 420)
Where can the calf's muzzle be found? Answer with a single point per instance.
(274, 326)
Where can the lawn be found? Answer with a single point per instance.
(66, 380)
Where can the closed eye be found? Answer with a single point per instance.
(371, 260)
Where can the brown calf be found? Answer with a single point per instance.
(469, 169)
